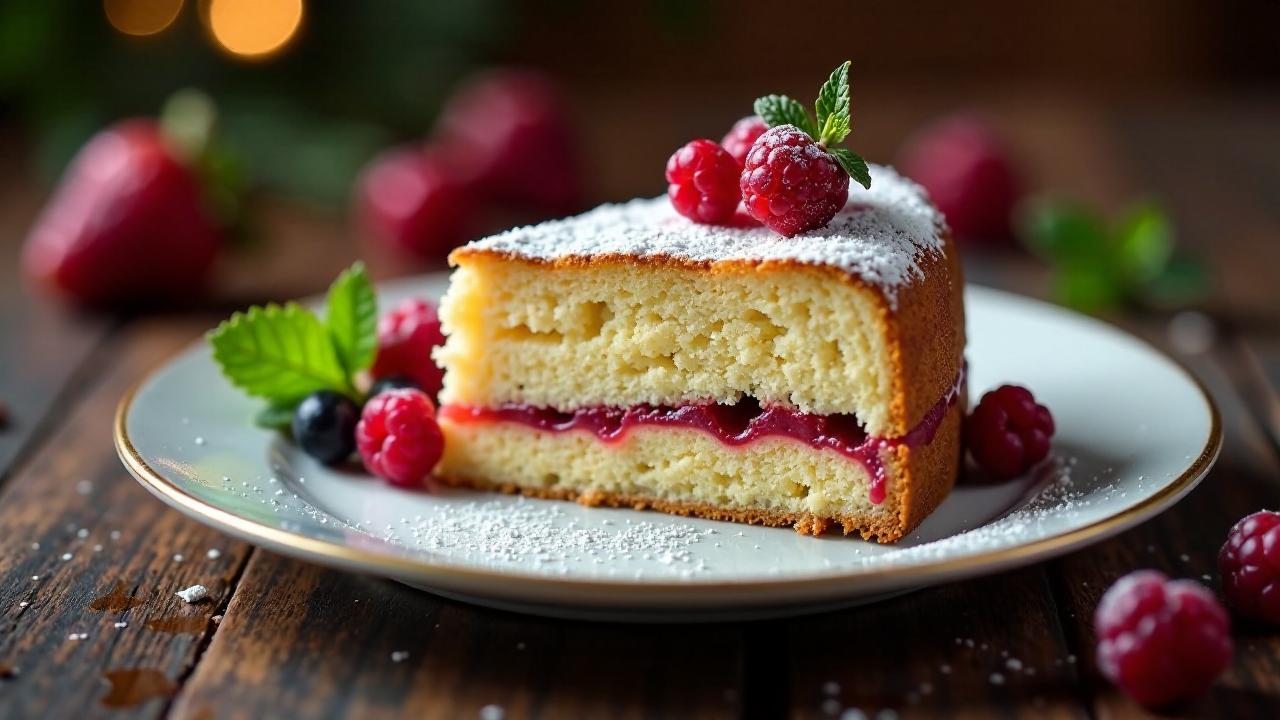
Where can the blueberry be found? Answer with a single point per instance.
(392, 382)
(324, 426)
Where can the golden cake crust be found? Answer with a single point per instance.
(925, 332)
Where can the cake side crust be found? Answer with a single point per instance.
(915, 351)
(917, 478)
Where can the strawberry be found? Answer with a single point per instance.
(126, 224)
(410, 200)
(511, 137)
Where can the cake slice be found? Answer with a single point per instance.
(630, 357)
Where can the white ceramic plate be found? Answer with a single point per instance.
(1135, 433)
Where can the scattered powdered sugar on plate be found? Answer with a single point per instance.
(497, 532)
(1057, 498)
(879, 236)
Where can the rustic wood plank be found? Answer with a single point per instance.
(86, 547)
(992, 646)
(1258, 373)
(41, 345)
(326, 644)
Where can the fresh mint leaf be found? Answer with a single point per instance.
(352, 317)
(778, 110)
(854, 165)
(833, 107)
(1183, 280)
(278, 353)
(275, 416)
(1062, 232)
(1087, 287)
(1144, 243)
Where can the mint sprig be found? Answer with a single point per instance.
(833, 125)
(282, 353)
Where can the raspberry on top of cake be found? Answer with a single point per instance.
(763, 345)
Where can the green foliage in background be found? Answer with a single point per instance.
(1099, 268)
(357, 77)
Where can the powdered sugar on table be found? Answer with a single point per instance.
(880, 236)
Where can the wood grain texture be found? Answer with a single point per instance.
(85, 547)
(42, 346)
(961, 650)
(328, 644)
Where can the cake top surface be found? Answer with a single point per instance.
(880, 235)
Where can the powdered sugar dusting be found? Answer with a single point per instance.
(545, 535)
(880, 236)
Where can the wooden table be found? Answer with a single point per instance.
(84, 550)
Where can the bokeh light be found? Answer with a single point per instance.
(253, 29)
(141, 17)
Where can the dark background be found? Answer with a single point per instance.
(643, 77)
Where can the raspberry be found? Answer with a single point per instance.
(399, 438)
(514, 140)
(406, 336)
(742, 136)
(966, 169)
(411, 200)
(1008, 432)
(1161, 641)
(1250, 566)
(792, 184)
(703, 181)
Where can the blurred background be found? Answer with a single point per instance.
(590, 99)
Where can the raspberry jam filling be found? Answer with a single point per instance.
(737, 424)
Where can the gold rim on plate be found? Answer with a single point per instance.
(425, 571)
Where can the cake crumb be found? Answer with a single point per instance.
(213, 554)
(193, 594)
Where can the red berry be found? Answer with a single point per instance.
(126, 224)
(406, 336)
(1008, 432)
(398, 437)
(965, 168)
(792, 184)
(511, 134)
(742, 136)
(1249, 563)
(410, 199)
(1161, 641)
(703, 182)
